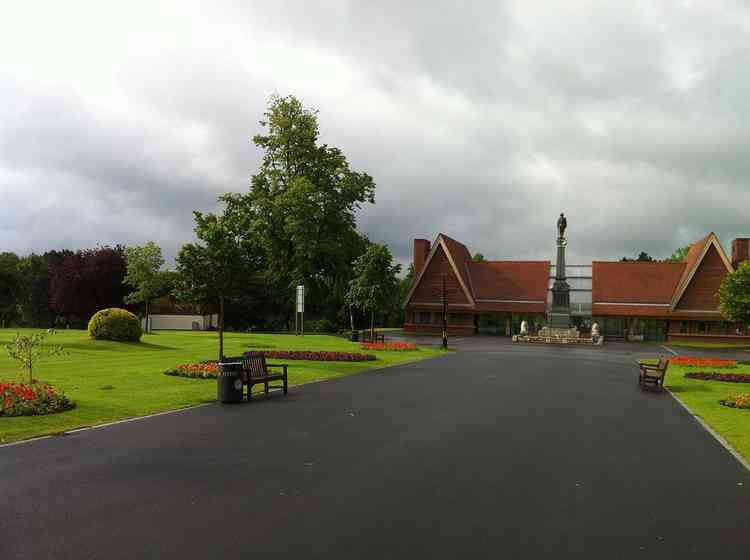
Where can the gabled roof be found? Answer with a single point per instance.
(635, 282)
(693, 260)
(457, 255)
(492, 285)
(460, 256)
(506, 281)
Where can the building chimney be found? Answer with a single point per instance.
(421, 250)
(740, 250)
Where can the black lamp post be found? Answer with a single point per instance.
(445, 317)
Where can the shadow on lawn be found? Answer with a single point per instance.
(117, 346)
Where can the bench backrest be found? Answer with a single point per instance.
(254, 363)
(661, 367)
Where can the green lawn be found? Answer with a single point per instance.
(707, 345)
(115, 380)
(702, 397)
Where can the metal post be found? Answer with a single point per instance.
(445, 317)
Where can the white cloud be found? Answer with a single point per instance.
(483, 121)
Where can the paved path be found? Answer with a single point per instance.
(497, 451)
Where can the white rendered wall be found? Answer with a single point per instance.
(181, 322)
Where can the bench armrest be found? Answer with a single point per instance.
(277, 365)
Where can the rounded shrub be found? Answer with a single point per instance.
(115, 324)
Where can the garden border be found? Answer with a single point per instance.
(724, 443)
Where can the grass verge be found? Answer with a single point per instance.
(707, 345)
(115, 380)
(702, 398)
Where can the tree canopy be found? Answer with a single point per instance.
(87, 281)
(302, 204)
(375, 281)
(734, 294)
(679, 254)
(216, 268)
(642, 257)
(144, 274)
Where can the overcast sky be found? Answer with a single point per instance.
(483, 120)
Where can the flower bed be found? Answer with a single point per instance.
(315, 356)
(737, 401)
(399, 346)
(210, 369)
(702, 362)
(35, 399)
(202, 370)
(719, 376)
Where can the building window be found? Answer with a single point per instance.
(683, 327)
(424, 318)
(702, 327)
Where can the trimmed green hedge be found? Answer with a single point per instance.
(115, 324)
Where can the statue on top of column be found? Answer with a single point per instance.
(562, 223)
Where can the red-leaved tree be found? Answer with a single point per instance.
(87, 281)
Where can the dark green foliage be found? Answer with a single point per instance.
(375, 283)
(320, 326)
(10, 287)
(679, 254)
(478, 257)
(302, 204)
(642, 257)
(734, 294)
(115, 324)
(216, 269)
(144, 274)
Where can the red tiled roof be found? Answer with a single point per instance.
(510, 280)
(691, 259)
(635, 282)
(461, 256)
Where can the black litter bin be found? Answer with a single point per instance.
(355, 336)
(229, 382)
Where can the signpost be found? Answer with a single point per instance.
(299, 312)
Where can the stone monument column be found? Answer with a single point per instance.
(560, 310)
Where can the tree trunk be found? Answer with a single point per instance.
(221, 329)
(351, 318)
(148, 327)
(372, 325)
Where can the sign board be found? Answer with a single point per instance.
(300, 299)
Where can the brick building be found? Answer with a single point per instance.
(639, 300)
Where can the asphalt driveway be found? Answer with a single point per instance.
(495, 451)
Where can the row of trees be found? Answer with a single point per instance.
(677, 256)
(295, 225)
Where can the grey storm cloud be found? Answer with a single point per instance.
(482, 120)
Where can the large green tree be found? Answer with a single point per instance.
(734, 294)
(215, 269)
(303, 202)
(144, 274)
(10, 287)
(375, 283)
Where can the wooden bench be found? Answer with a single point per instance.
(379, 337)
(653, 375)
(255, 370)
